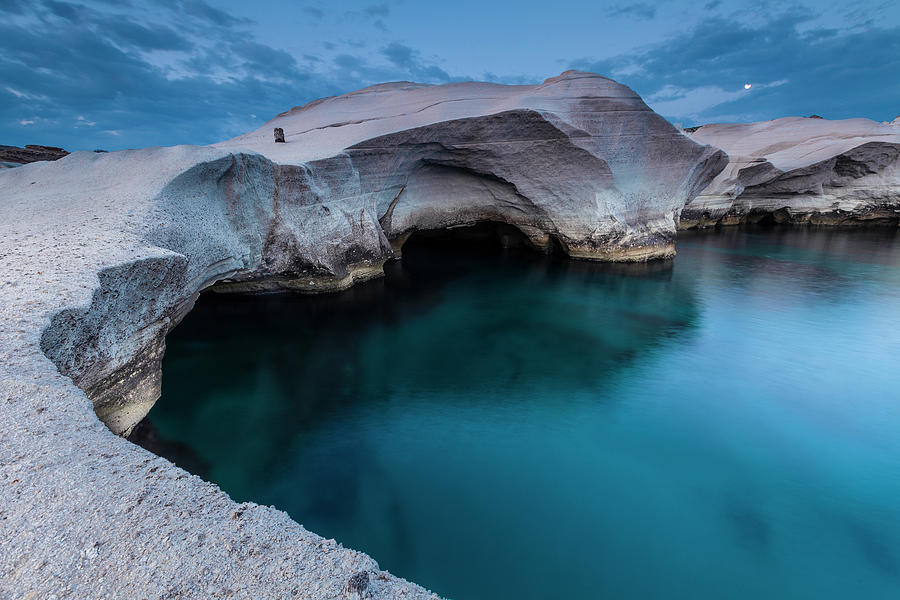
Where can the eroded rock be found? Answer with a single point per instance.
(582, 164)
(806, 171)
(30, 153)
(103, 253)
(579, 158)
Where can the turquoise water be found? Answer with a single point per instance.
(493, 424)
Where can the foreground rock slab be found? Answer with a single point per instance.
(101, 254)
(802, 170)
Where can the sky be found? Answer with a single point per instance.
(113, 74)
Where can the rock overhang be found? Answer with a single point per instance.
(795, 170)
(104, 253)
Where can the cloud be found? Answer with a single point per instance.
(165, 72)
(375, 13)
(314, 12)
(202, 10)
(24, 95)
(692, 103)
(638, 10)
(409, 60)
(837, 73)
(130, 34)
(12, 7)
(377, 10)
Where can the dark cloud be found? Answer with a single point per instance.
(374, 13)
(712, 5)
(794, 69)
(409, 60)
(12, 7)
(85, 74)
(349, 62)
(83, 77)
(200, 9)
(638, 10)
(70, 12)
(377, 10)
(260, 59)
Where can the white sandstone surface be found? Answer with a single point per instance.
(587, 162)
(802, 170)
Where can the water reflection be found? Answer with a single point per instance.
(497, 423)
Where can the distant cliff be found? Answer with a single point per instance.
(29, 154)
(803, 171)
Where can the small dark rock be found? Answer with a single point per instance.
(814, 117)
(30, 153)
(279, 135)
(357, 585)
(692, 129)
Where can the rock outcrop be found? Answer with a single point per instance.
(103, 253)
(601, 177)
(579, 159)
(801, 170)
(13, 155)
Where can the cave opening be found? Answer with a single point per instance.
(485, 236)
(485, 417)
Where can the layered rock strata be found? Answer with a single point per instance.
(601, 177)
(103, 253)
(801, 170)
(579, 159)
(13, 155)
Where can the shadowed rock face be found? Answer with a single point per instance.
(797, 170)
(600, 176)
(103, 253)
(13, 155)
(579, 159)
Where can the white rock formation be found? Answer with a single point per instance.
(580, 159)
(101, 254)
(801, 170)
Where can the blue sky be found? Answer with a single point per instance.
(129, 73)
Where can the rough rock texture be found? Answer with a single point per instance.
(101, 254)
(579, 159)
(31, 153)
(83, 512)
(802, 170)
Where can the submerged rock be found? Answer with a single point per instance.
(801, 170)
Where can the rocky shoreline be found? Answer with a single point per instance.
(103, 253)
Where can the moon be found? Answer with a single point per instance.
(747, 86)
